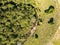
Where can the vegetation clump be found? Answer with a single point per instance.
(51, 21)
(36, 35)
(50, 9)
(14, 20)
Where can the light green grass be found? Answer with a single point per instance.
(56, 42)
(45, 31)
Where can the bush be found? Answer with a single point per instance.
(36, 35)
(51, 21)
(50, 9)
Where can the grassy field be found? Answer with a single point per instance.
(44, 31)
(21, 10)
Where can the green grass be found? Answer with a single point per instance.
(56, 42)
(45, 30)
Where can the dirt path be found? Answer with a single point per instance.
(57, 34)
(56, 37)
(32, 30)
